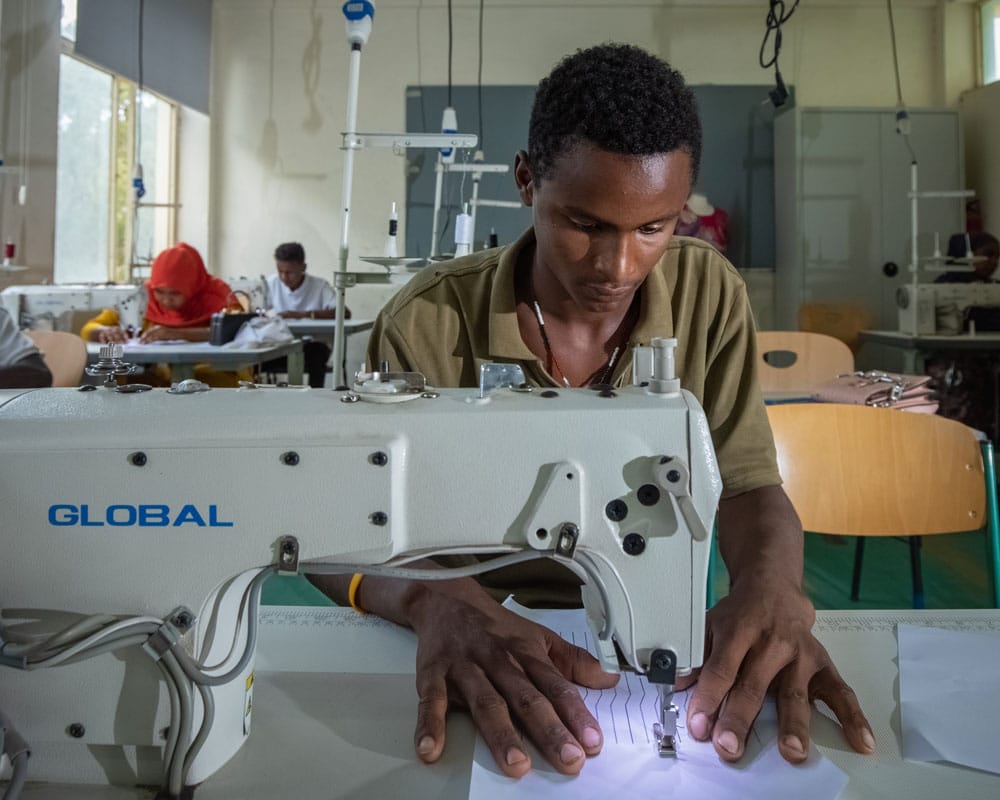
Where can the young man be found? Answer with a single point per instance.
(613, 153)
(295, 295)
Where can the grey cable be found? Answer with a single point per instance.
(207, 718)
(13, 745)
(425, 573)
(175, 710)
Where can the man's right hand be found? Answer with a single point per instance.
(507, 671)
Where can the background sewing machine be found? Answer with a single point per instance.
(930, 308)
(66, 307)
(145, 504)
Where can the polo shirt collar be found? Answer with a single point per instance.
(505, 335)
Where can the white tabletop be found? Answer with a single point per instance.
(327, 327)
(965, 341)
(348, 734)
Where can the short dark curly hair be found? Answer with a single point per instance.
(618, 97)
(290, 251)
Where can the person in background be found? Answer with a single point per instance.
(294, 294)
(21, 365)
(966, 381)
(607, 174)
(984, 246)
(182, 297)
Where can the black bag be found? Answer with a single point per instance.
(223, 327)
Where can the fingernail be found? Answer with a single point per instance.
(426, 745)
(729, 742)
(591, 737)
(793, 743)
(569, 753)
(700, 726)
(868, 739)
(515, 756)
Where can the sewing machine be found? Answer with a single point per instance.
(169, 510)
(939, 308)
(55, 307)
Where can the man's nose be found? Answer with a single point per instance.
(617, 258)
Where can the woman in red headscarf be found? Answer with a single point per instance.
(182, 297)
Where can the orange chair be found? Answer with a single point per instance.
(861, 471)
(65, 354)
(797, 362)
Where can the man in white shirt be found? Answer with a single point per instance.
(295, 295)
(21, 365)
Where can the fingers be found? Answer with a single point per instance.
(794, 711)
(432, 708)
(490, 713)
(828, 686)
(717, 676)
(552, 713)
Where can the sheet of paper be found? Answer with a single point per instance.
(949, 701)
(628, 765)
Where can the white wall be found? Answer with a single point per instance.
(28, 107)
(980, 110)
(276, 165)
(193, 171)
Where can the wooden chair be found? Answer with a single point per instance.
(859, 471)
(65, 354)
(843, 321)
(791, 361)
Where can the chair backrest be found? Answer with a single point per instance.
(815, 359)
(65, 355)
(843, 321)
(864, 471)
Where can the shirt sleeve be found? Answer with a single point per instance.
(106, 317)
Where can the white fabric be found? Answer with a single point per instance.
(14, 345)
(315, 294)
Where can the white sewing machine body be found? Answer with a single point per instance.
(53, 307)
(920, 306)
(138, 503)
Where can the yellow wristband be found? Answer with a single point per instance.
(312, 315)
(352, 592)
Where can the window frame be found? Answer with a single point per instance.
(122, 265)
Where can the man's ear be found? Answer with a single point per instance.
(524, 178)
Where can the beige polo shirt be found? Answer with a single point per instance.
(454, 316)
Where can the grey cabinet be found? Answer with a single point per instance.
(842, 208)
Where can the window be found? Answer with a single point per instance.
(107, 126)
(991, 41)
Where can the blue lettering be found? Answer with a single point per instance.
(189, 514)
(121, 520)
(63, 515)
(154, 516)
(85, 518)
(214, 521)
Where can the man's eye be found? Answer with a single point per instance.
(580, 225)
(650, 230)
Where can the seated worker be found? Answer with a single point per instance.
(295, 295)
(606, 174)
(182, 297)
(984, 246)
(21, 365)
(966, 381)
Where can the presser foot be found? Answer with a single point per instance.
(665, 734)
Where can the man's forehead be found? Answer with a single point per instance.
(291, 266)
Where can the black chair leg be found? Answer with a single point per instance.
(859, 554)
(918, 581)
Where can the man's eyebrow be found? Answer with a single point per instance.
(574, 211)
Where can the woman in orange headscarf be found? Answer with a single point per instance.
(182, 297)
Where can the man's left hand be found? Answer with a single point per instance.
(760, 637)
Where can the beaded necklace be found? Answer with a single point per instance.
(554, 367)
